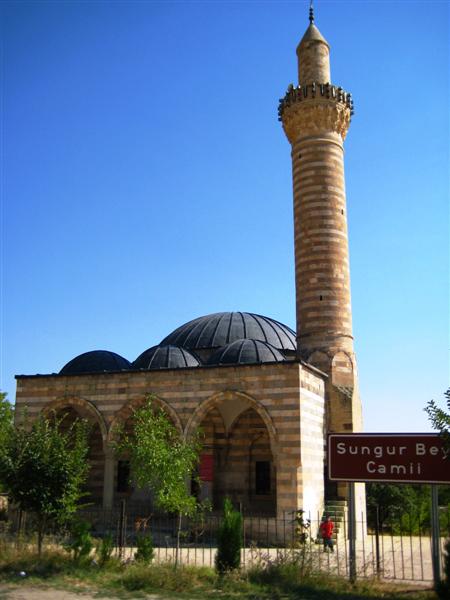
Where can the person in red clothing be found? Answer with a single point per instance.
(326, 531)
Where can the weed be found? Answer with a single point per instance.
(276, 580)
(165, 577)
(105, 549)
(48, 565)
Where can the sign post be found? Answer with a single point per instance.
(377, 540)
(389, 458)
(435, 538)
(352, 531)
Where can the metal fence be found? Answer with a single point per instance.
(400, 550)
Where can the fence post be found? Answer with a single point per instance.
(435, 536)
(122, 521)
(243, 537)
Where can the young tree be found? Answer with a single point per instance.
(43, 469)
(161, 459)
(229, 539)
(440, 419)
(6, 422)
(6, 418)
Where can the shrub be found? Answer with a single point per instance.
(145, 551)
(81, 543)
(105, 549)
(229, 539)
(302, 528)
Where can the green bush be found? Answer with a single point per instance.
(81, 543)
(105, 549)
(229, 539)
(145, 551)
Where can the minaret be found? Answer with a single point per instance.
(316, 116)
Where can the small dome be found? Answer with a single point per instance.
(165, 357)
(95, 361)
(219, 329)
(246, 352)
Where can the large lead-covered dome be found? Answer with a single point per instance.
(219, 329)
(243, 352)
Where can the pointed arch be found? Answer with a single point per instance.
(343, 369)
(74, 407)
(83, 405)
(137, 401)
(248, 402)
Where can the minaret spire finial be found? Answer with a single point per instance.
(311, 12)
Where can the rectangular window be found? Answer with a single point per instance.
(123, 476)
(206, 467)
(262, 477)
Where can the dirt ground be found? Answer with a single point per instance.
(8, 592)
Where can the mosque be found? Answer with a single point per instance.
(264, 396)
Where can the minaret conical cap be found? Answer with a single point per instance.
(312, 34)
(313, 55)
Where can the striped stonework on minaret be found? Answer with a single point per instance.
(316, 116)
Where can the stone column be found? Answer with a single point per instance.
(108, 478)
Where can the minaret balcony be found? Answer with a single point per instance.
(314, 90)
(317, 108)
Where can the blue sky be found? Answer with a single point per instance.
(146, 180)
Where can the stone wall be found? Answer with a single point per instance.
(286, 399)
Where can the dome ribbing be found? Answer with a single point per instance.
(165, 357)
(219, 329)
(246, 352)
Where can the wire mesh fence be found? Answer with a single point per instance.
(399, 549)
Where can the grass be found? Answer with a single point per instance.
(115, 580)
